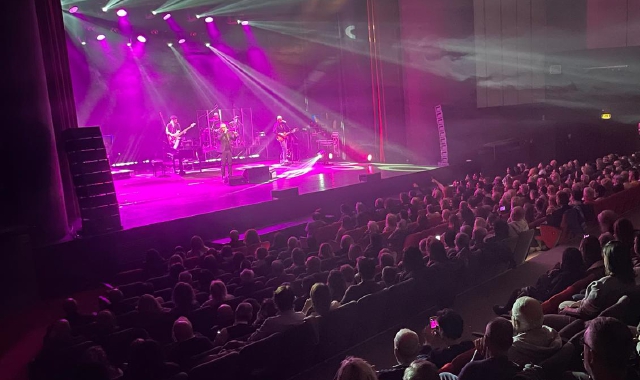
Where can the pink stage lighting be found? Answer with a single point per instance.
(101, 37)
(142, 39)
(181, 41)
(244, 23)
(208, 20)
(73, 9)
(129, 44)
(167, 16)
(121, 13)
(369, 157)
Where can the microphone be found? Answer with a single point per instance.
(284, 121)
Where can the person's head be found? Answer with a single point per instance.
(175, 259)
(244, 312)
(372, 226)
(283, 297)
(462, 241)
(185, 277)
(70, 306)
(148, 304)
(336, 283)
(175, 270)
(251, 237)
(367, 268)
(355, 251)
(226, 251)
(316, 216)
(406, 346)
(604, 238)
(526, 315)
(479, 233)
(313, 265)
(437, 251)
(617, 261)
(182, 329)
(279, 240)
(353, 368)
(572, 260)
(247, 276)
(390, 276)
(421, 369)
(292, 243)
(466, 229)
(224, 315)
(623, 231)
(413, 259)
(325, 251)
(234, 236)
(562, 198)
(501, 228)
(498, 337)
(606, 220)
(449, 238)
(105, 320)
(197, 243)
(590, 250)
(385, 259)
(145, 357)
(321, 298)
(217, 291)
(391, 221)
(450, 324)
(517, 214)
(174, 118)
(223, 128)
(345, 242)
(183, 295)
(588, 194)
(277, 267)
(348, 273)
(607, 347)
(278, 118)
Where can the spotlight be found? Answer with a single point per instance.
(244, 23)
(129, 44)
(239, 22)
(83, 42)
(170, 44)
(121, 13)
(101, 37)
(167, 16)
(154, 13)
(181, 41)
(142, 39)
(320, 154)
(331, 156)
(605, 116)
(369, 157)
(207, 44)
(105, 9)
(208, 20)
(73, 9)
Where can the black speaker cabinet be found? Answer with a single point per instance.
(286, 193)
(258, 174)
(236, 180)
(92, 180)
(370, 177)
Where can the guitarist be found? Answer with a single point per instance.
(173, 129)
(282, 131)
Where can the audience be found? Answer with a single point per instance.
(283, 298)
(533, 342)
(444, 342)
(406, 347)
(241, 327)
(355, 369)
(421, 370)
(607, 348)
(187, 343)
(367, 272)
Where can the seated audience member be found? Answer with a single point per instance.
(391, 223)
(607, 343)
(251, 238)
(354, 253)
(606, 291)
(298, 265)
(96, 357)
(462, 252)
(406, 347)
(533, 342)
(313, 265)
(445, 342)
(315, 224)
(414, 266)
(375, 245)
(592, 256)
(154, 265)
(198, 248)
(292, 243)
(337, 285)
(345, 242)
(279, 242)
(422, 369)
(555, 219)
(348, 273)
(280, 277)
(353, 368)
(186, 277)
(325, 252)
(217, 294)
(518, 222)
(492, 352)
(248, 284)
(73, 316)
(501, 232)
(266, 310)
(241, 327)
(187, 343)
(389, 276)
(433, 215)
(234, 239)
(347, 225)
(396, 238)
(184, 299)
(623, 232)
(367, 271)
(260, 266)
(558, 278)
(606, 220)
(210, 263)
(224, 317)
(286, 318)
(319, 302)
(146, 362)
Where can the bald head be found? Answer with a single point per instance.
(182, 330)
(406, 346)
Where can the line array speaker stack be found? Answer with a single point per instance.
(92, 180)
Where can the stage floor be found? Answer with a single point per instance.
(145, 199)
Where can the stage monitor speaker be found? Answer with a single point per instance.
(236, 180)
(370, 177)
(258, 174)
(92, 180)
(286, 193)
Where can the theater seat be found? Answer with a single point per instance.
(369, 315)
(260, 359)
(335, 330)
(225, 367)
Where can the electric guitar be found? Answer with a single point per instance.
(283, 135)
(174, 141)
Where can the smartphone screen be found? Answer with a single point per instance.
(502, 208)
(438, 237)
(433, 322)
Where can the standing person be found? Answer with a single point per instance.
(226, 157)
(281, 129)
(173, 132)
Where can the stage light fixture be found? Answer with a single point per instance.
(73, 9)
(605, 116)
(239, 22)
(129, 44)
(321, 154)
(208, 20)
(244, 23)
(167, 16)
(154, 13)
(207, 44)
(121, 13)
(105, 9)
(142, 39)
(170, 44)
(101, 37)
(83, 43)
(181, 41)
(369, 157)
(331, 156)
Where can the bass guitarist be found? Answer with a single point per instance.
(282, 131)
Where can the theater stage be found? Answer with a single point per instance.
(145, 199)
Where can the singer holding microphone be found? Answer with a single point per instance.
(282, 131)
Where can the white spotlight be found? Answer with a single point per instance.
(170, 44)
(207, 44)
(167, 16)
